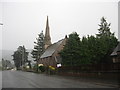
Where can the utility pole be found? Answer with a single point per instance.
(37, 62)
(22, 56)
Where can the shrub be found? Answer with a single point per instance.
(42, 68)
(35, 67)
(52, 69)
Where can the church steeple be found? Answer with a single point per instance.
(47, 35)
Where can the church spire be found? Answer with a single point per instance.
(47, 35)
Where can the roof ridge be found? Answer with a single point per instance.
(116, 49)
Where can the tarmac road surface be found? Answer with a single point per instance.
(20, 79)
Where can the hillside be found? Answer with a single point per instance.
(6, 54)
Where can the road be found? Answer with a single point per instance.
(20, 79)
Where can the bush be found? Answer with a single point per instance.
(42, 68)
(52, 70)
(35, 67)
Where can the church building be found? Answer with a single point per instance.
(51, 56)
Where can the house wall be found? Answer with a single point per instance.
(116, 59)
(118, 56)
(53, 62)
(48, 61)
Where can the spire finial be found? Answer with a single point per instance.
(47, 34)
(47, 22)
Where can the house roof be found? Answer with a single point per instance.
(51, 49)
(117, 49)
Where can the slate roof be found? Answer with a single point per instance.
(51, 49)
(117, 49)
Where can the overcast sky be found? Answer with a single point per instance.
(23, 21)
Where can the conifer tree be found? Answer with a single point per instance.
(106, 40)
(104, 29)
(90, 49)
(38, 47)
(70, 53)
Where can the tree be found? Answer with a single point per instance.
(6, 64)
(70, 53)
(38, 48)
(20, 57)
(104, 29)
(90, 49)
(98, 49)
(106, 41)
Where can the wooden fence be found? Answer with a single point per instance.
(107, 71)
(115, 67)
